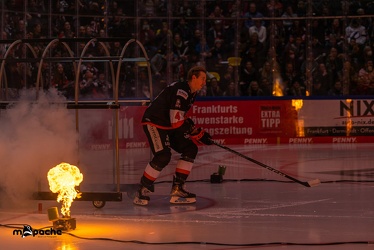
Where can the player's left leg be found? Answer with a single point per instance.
(159, 143)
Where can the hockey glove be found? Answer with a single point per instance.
(188, 126)
(201, 136)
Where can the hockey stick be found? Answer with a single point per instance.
(311, 183)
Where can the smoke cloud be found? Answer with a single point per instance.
(36, 134)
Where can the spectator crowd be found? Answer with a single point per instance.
(307, 48)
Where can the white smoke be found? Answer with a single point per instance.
(36, 134)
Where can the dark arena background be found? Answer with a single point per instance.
(289, 102)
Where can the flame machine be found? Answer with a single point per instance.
(63, 179)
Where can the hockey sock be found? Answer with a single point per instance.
(183, 170)
(149, 176)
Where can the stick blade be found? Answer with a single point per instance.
(314, 183)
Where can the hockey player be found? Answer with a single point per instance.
(166, 127)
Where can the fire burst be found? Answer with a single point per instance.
(62, 180)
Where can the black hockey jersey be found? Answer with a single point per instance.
(169, 108)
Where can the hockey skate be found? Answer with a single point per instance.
(179, 195)
(141, 198)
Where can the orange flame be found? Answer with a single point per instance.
(63, 179)
(349, 119)
(298, 104)
(277, 88)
